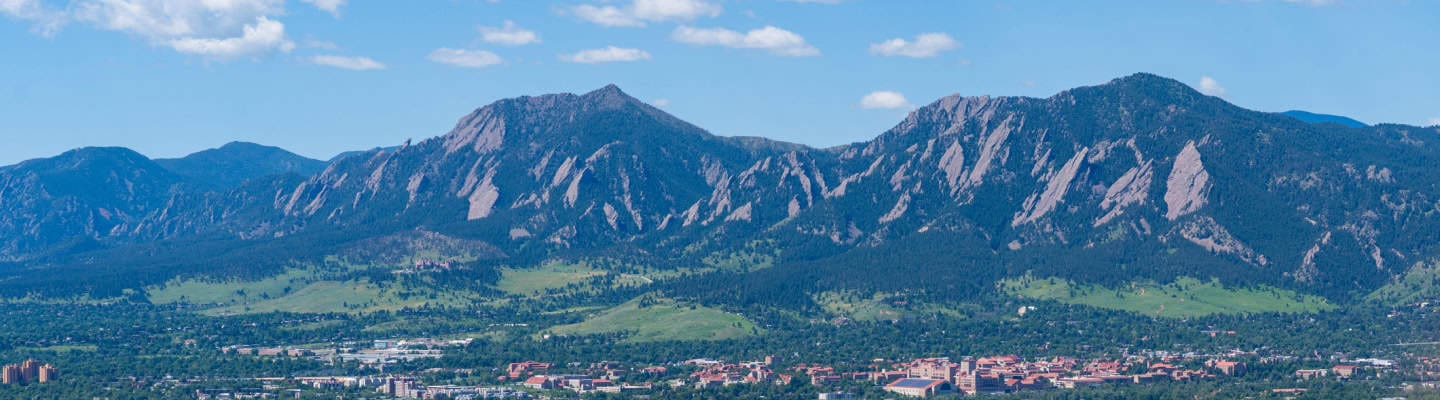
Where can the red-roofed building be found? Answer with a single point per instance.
(980, 381)
(519, 369)
(1228, 367)
(539, 382)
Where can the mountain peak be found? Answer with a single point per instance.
(1137, 89)
(609, 96)
(243, 145)
(235, 162)
(1145, 82)
(96, 154)
(608, 89)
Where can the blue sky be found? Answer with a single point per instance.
(170, 77)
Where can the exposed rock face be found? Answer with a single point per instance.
(481, 130)
(1026, 176)
(1208, 234)
(1188, 185)
(1042, 203)
(483, 198)
(988, 153)
(1133, 188)
(1307, 270)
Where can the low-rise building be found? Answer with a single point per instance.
(920, 387)
(1311, 373)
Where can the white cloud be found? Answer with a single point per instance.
(775, 40)
(508, 34)
(1210, 86)
(606, 15)
(169, 19)
(330, 6)
(46, 20)
(660, 102)
(465, 58)
(884, 99)
(212, 28)
(604, 55)
(264, 35)
(350, 63)
(1434, 122)
(639, 12)
(925, 45)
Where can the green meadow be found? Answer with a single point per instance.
(662, 320)
(1185, 297)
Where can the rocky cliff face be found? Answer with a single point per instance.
(1140, 165)
(1144, 162)
(565, 170)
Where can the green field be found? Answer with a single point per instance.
(663, 320)
(228, 292)
(857, 307)
(536, 281)
(354, 296)
(61, 348)
(559, 276)
(298, 291)
(1420, 283)
(1186, 297)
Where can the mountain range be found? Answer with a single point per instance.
(1141, 177)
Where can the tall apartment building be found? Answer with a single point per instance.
(30, 370)
(48, 373)
(10, 375)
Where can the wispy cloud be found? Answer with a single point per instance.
(1434, 121)
(925, 45)
(637, 13)
(47, 20)
(350, 63)
(508, 34)
(330, 6)
(884, 100)
(1210, 86)
(775, 40)
(214, 29)
(465, 58)
(605, 55)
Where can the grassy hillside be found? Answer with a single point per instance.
(227, 292)
(538, 280)
(662, 320)
(1420, 283)
(1185, 297)
(301, 290)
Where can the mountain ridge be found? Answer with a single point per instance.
(1138, 170)
(229, 165)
